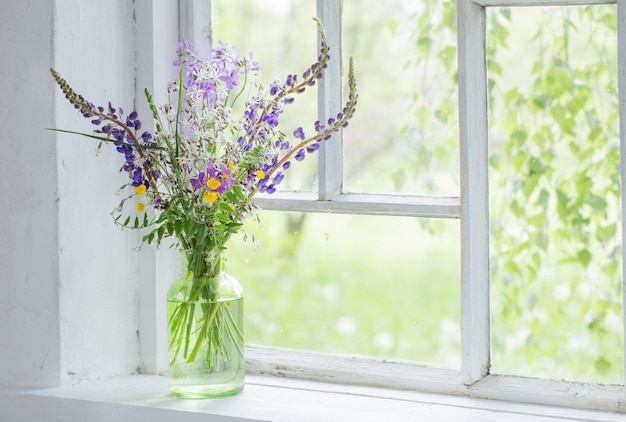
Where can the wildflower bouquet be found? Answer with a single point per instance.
(215, 145)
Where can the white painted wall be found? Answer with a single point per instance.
(29, 351)
(94, 49)
(61, 257)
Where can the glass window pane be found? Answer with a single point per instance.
(555, 193)
(283, 37)
(349, 284)
(404, 135)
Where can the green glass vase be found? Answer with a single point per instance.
(205, 329)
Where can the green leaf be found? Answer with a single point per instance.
(178, 226)
(102, 138)
(541, 101)
(448, 56)
(160, 232)
(494, 67)
(597, 203)
(530, 184)
(238, 192)
(225, 207)
(584, 257)
(424, 44)
(233, 228)
(222, 217)
(148, 238)
(606, 233)
(231, 197)
(188, 227)
(512, 96)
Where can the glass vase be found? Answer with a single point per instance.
(205, 329)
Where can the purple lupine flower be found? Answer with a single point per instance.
(278, 177)
(137, 177)
(300, 155)
(271, 119)
(299, 133)
(313, 147)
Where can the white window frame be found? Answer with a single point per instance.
(472, 208)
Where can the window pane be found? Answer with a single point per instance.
(346, 284)
(404, 135)
(555, 193)
(283, 38)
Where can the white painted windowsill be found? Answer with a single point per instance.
(265, 398)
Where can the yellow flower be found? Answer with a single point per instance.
(231, 166)
(210, 197)
(140, 206)
(140, 190)
(260, 174)
(213, 183)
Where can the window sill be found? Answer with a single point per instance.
(266, 398)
